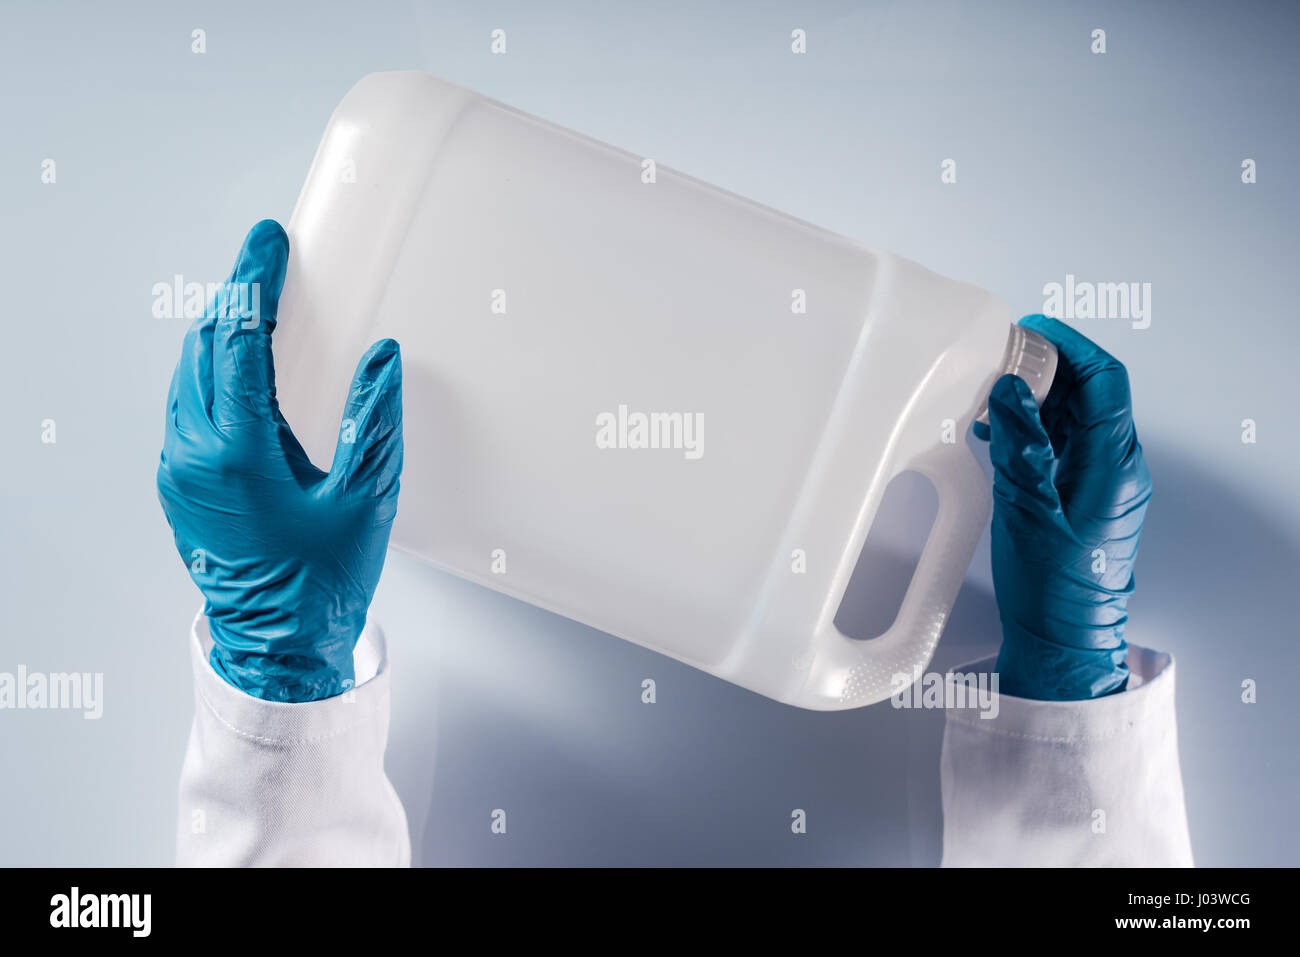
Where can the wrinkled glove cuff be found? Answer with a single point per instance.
(1030, 666)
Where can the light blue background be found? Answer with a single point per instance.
(1122, 167)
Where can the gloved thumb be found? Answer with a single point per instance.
(368, 457)
(1019, 448)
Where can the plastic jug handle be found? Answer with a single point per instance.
(847, 673)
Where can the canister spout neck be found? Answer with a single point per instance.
(1031, 357)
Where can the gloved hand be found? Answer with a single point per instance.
(1070, 490)
(287, 556)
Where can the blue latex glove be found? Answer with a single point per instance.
(1070, 490)
(286, 555)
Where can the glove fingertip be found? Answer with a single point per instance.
(1011, 395)
(266, 249)
(262, 263)
(1002, 396)
(382, 359)
(269, 230)
(1039, 322)
(1019, 449)
(371, 438)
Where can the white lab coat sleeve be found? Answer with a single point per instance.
(267, 783)
(1067, 783)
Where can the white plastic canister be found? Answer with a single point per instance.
(637, 401)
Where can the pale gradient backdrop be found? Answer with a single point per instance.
(1114, 168)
